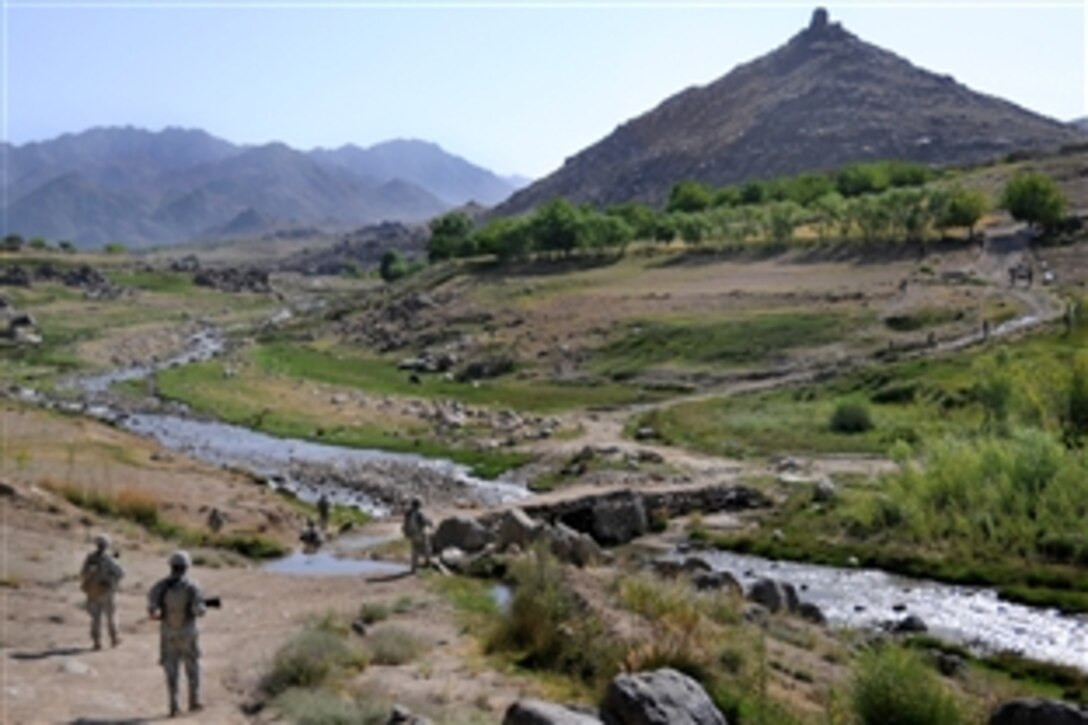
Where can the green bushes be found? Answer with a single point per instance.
(850, 418)
(1019, 493)
(316, 656)
(392, 645)
(548, 628)
(321, 707)
(892, 686)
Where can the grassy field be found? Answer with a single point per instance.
(911, 401)
(263, 403)
(380, 376)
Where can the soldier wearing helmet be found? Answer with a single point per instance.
(176, 602)
(99, 579)
(415, 528)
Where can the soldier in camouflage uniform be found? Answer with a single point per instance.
(177, 601)
(99, 579)
(415, 528)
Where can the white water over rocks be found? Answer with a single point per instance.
(972, 616)
(354, 474)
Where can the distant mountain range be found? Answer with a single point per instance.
(141, 187)
(823, 100)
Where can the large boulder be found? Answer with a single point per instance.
(538, 712)
(660, 697)
(462, 533)
(775, 596)
(618, 520)
(1032, 711)
(572, 546)
(516, 528)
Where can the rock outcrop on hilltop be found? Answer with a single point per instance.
(824, 99)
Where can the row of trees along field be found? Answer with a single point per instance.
(876, 203)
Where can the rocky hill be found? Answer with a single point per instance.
(140, 187)
(822, 100)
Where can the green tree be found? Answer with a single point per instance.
(806, 189)
(65, 246)
(962, 208)
(858, 179)
(754, 192)
(688, 196)
(603, 232)
(639, 217)
(783, 217)
(451, 236)
(666, 228)
(871, 216)
(392, 266)
(693, 228)
(830, 211)
(12, 243)
(726, 196)
(113, 248)
(507, 239)
(1034, 198)
(555, 227)
(38, 243)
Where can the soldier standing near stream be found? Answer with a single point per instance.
(415, 528)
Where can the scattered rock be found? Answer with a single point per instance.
(824, 491)
(515, 528)
(538, 712)
(910, 624)
(811, 613)
(401, 715)
(715, 581)
(660, 697)
(618, 520)
(775, 596)
(76, 667)
(948, 664)
(462, 533)
(645, 434)
(1032, 711)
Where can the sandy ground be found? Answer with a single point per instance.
(49, 673)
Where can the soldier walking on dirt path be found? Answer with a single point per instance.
(216, 520)
(99, 579)
(176, 602)
(415, 528)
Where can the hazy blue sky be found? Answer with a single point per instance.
(514, 86)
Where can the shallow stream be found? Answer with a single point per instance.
(972, 616)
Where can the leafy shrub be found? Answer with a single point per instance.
(372, 612)
(851, 418)
(893, 686)
(322, 707)
(313, 657)
(392, 645)
(549, 627)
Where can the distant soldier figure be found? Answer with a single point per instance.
(985, 329)
(415, 528)
(310, 537)
(1029, 272)
(216, 520)
(931, 339)
(323, 511)
(99, 579)
(177, 602)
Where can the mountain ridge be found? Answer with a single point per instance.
(143, 187)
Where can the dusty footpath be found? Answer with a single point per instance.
(48, 671)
